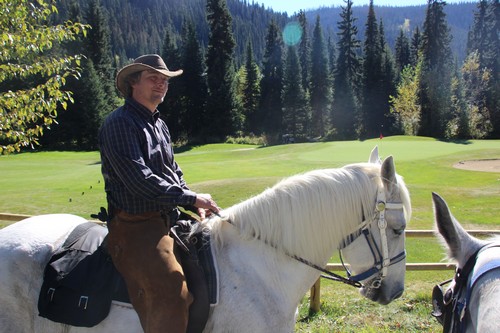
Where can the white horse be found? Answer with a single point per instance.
(261, 245)
(471, 301)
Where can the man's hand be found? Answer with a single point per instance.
(205, 205)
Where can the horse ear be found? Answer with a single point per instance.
(446, 224)
(388, 173)
(374, 158)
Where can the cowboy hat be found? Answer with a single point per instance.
(145, 62)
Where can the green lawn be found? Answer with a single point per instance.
(69, 182)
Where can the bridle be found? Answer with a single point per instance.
(381, 260)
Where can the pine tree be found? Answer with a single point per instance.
(435, 83)
(484, 41)
(415, 44)
(195, 90)
(295, 110)
(458, 126)
(270, 110)
(493, 63)
(372, 112)
(172, 109)
(220, 72)
(347, 76)
(388, 84)
(402, 50)
(97, 48)
(304, 51)
(93, 93)
(77, 126)
(478, 37)
(251, 92)
(90, 108)
(331, 57)
(320, 83)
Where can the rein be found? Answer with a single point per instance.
(380, 264)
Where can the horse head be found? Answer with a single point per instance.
(469, 304)
(376, 250)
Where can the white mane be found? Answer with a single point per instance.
(309, 214)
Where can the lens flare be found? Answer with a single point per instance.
(292, 33)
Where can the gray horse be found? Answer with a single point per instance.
(470, 303)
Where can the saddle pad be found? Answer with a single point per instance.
(79, 280)
(209, 264)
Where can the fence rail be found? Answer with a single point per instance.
(12, 217)
(315, 292)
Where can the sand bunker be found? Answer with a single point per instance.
(490, 165)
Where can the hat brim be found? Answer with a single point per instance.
(133, 68)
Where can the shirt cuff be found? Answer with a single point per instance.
(189, 197)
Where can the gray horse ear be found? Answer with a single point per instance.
(446, 224)
(388, 173)
(374, 158)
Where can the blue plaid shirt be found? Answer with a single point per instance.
(138, 165)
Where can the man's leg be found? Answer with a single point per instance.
(143, 253)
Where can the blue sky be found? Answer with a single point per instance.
(291, 6)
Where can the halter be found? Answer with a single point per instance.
(381, 260)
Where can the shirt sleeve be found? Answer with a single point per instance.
(121, 144)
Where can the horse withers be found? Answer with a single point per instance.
(268, 250)
(470, 303)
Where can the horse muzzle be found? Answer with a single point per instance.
(377, 291)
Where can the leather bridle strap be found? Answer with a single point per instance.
(380, 257)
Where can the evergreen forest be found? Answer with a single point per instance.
(251, 74)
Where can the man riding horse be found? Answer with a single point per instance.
(144, 186)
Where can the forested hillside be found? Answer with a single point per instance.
(139, 26)
(339, 73)
(459, 17)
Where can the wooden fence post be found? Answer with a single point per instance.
(314, 303)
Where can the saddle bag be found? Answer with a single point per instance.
(79, 281)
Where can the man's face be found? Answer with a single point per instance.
(151, 88)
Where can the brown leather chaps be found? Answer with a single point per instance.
(143, 253)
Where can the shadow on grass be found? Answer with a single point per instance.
(310, 317)
(458, 142)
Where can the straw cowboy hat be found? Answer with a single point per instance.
(145, 62)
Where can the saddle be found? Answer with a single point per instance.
(80, 280)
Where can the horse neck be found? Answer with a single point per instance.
(307, 215)
(466, 246)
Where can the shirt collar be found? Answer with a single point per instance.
(141, 110)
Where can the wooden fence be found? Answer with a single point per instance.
(315, 292)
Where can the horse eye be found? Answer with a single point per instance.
(399, 231)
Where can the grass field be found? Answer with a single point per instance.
(70, 182)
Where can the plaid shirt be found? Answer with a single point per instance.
(138, 165)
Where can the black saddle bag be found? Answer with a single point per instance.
(79, 279)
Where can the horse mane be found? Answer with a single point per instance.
(309, 214)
